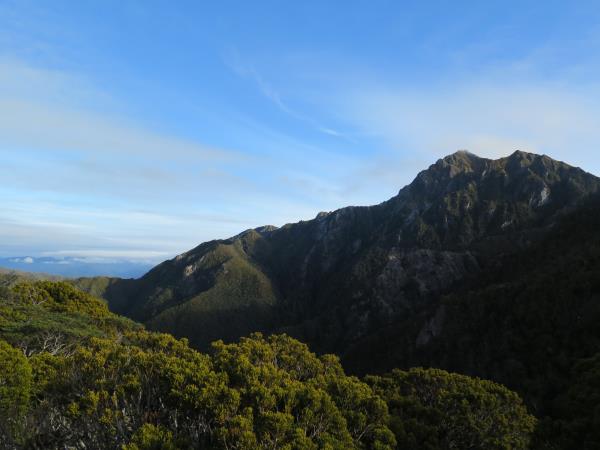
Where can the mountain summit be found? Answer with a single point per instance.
(336, 279)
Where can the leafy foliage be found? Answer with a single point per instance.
(15, 392)
(433, 409)
(150, 437)
(152, 389)
(54, 317)
(123, 387)
(576, 415)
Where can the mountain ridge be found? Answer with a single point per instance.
(342, 275)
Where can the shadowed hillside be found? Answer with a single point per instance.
(335, 280)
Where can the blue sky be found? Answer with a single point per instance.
(138, 129)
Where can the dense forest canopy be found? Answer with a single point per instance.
(74, 375)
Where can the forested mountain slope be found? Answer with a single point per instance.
(339, 278)
(529, 321)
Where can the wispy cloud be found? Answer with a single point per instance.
(246, 70)
(82, 178)
(25, 260)
(60, 134)
(49, 109)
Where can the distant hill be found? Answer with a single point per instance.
(76, 266)
(9, 277)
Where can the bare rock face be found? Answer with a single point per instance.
(408, 281)
(336, 279)
(430, 270)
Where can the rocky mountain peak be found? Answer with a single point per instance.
(520, 160)
(265, 229)
(463, 197)
(463, 167)
(522, 155)
(461, 157)
(459, 162)
(445, 175)
(539, 164)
